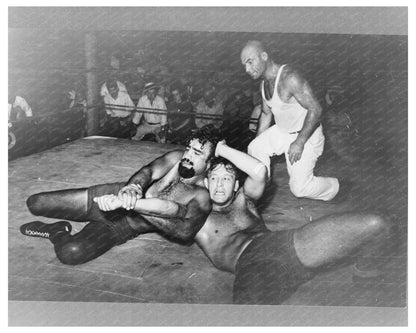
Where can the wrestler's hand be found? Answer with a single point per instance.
(108, 202)
(220, 144)
(129, 195)
(295, 151)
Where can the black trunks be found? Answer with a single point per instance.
(269, 270)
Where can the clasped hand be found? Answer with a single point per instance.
(220, 144)
(108, 202)
(129, 194)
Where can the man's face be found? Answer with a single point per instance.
(113, 91)
(221, 185)
(151, 94)
(194, 160)
(176, 95)
(253, 61)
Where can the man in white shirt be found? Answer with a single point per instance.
(151, 111)
(18, 108)
(209, 110)
(121, 87)
(119, 108)
(289, 100)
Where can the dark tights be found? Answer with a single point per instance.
(93, 240)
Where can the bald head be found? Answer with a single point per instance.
(255, 45)
(255, 59)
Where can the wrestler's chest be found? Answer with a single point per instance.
(174, 190)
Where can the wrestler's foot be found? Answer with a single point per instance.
(344, 191)
(45, 230)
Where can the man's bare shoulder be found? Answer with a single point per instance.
(292, 78)
(290, 73)
(174, 155)
(201, 195)
(200, 191)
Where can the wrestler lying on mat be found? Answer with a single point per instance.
(167, 195)
(270, 266)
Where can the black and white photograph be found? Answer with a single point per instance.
(207, 166)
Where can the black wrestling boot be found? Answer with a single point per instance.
(45, 230)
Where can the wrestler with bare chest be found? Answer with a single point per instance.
(167, 196)
(270, 266)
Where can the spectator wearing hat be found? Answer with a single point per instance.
(119, 108)
(151, 115)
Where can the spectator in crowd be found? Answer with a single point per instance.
(121, 87)
(342, 137)
(180, 118)
(75, 98)
(188, 88)
(151, 111)
(18, 108)
(255, 114)
(119, 108)
(209, 110)
(254, 120)
(237, 119)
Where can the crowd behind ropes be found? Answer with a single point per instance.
(162, 107)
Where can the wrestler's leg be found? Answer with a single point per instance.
(77, 205)
(330, 239)
(91, 242)
(69, 204)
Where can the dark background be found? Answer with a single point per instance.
(372, 69)
(362, 49)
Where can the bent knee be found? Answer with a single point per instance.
(378, 224)
(71, 253)
(298, 189)
(34, 205)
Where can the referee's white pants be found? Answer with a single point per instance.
(302, 182)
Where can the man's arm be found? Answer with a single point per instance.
(141, 180)
(138, 114)
(256, 171)
(265, 119)
(303, 93)
(163, 121)
(178, 220)
(174, 219)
